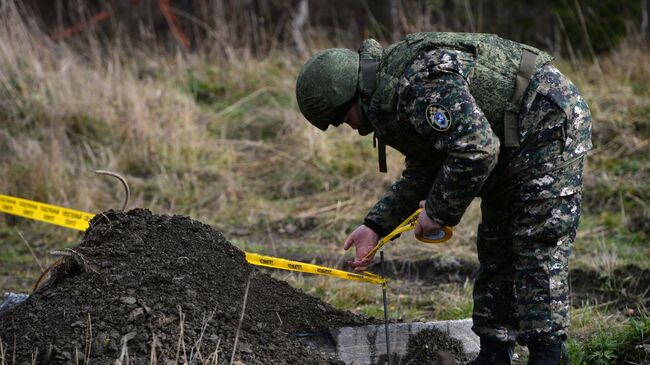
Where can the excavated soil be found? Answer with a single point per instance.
(167, 288)
(433, 347)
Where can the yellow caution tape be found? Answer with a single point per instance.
(76, 219)
(278, 263)
(47, 213)
(443, 235)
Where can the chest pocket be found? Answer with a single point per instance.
(576, 126)
(400, 135)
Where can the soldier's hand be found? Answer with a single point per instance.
(425, 225)
(364, 239)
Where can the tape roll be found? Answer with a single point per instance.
(440, 236)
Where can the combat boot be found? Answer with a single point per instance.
(544, 353)
(494, 353)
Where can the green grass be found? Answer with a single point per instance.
(605, 242)
(623, 344)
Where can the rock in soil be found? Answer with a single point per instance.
(165, 286)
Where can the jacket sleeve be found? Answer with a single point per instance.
(441, 108)
(402, 197)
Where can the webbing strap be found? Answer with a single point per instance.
(381, 152)
(368, 74)
(510, 118)
(368, 67)
(381, 155)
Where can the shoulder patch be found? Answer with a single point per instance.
(438, 117)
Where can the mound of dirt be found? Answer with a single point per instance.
(167, 288)
(433, 347)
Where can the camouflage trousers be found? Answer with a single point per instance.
(522, 290)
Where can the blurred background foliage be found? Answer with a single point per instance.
(564, 27)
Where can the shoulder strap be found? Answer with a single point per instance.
(510, 118)
(368, 68)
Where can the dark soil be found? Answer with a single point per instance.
(433, 347)
(137, 278)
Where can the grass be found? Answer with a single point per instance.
(223, 141)
(624, 343)
(408, 301)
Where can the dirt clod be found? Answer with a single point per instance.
(434, 347)
(138, 281)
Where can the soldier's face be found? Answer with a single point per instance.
(353, 118)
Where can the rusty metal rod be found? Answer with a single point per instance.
(127, 191)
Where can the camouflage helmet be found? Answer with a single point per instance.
(327, 85)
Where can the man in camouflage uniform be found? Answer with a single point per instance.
(476, 116)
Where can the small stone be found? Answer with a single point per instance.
(320, 306)
(77, 324)
(135, 314)
(106, 264)
(128, 300)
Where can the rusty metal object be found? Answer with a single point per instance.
(122, 180)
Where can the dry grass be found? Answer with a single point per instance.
(244, 157)
(223, 142)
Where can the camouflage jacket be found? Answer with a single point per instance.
(452, 149)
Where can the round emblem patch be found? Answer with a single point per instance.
(438, 117)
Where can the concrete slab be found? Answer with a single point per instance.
(367, 345)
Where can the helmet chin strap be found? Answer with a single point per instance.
(364, 129)
(381, 153)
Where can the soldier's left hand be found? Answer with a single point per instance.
(425, 225)
(364, 239)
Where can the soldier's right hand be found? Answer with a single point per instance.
(364, 239)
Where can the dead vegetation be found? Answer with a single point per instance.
(222, 141)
